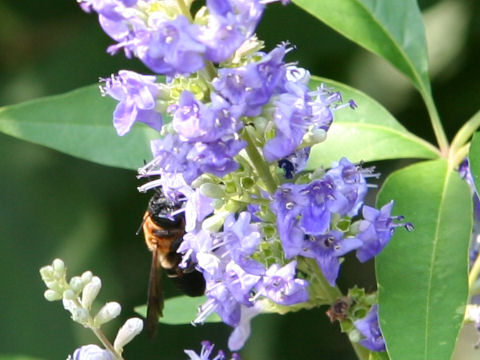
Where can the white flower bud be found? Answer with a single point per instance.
(58, 266)
(76, 284)
(108, 312)
(473, 313)
(354, 336)
(92, 352)
(46, 273)
(127, 332)
(52, 295)
(86, 277)
(214, 222)
(80, 315)
(90, 291)
(69, 294)
(52, 284)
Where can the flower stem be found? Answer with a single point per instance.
(436, 123)
(99, 334)
(261, 166)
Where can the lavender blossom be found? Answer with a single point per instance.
(172, 48)
(327, 249)
(369, 327)
(280, 285)
(92, 352)
(376, 230)
(136, 95)
(206, 352)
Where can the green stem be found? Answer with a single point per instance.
(457, 155)
(261, 166)
(99, 334)
(460, 146)
(436, 123)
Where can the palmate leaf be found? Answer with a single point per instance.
(180, 310)
(391, 29)
(78, 123)
(367, 133)
(422, 275)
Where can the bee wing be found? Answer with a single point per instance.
(155, 296)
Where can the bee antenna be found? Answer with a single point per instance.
(141, 226)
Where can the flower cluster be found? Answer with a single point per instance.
(236, 126)
(78, 296)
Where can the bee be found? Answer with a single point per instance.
(163, 235)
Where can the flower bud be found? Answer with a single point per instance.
(52, 295)
(214, 222)
(86, 277)
(52, 284)
(473, 313)
(76, 284)
(69, 294)
(108, 312)
(127, 332)
(46, 272)
(58, 266)
(80, 315)
(90, 352)
(354, 336)
(90, 291)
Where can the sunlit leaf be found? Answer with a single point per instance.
(367, 133)
(78, 123)
(393, 30)
(422, 275)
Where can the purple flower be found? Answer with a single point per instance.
(376, 230)
(326, 250)
(136, 95)
(92, 352)
(370, 328)
(350, 180)
(215, 157)
(252, 86)
(324, 199)
(240, 334)
(173, 47)
(280, 285)
(299, 112)
(206, 352)
(196, 122)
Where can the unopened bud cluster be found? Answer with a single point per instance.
(77, 296)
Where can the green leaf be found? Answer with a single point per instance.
(422, 275)
(391, 29)
(367, 133)
(474, 159)
(78, 123)
(180, 310)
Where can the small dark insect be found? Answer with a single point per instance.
(163, 235)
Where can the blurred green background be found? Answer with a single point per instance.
(53, 205)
